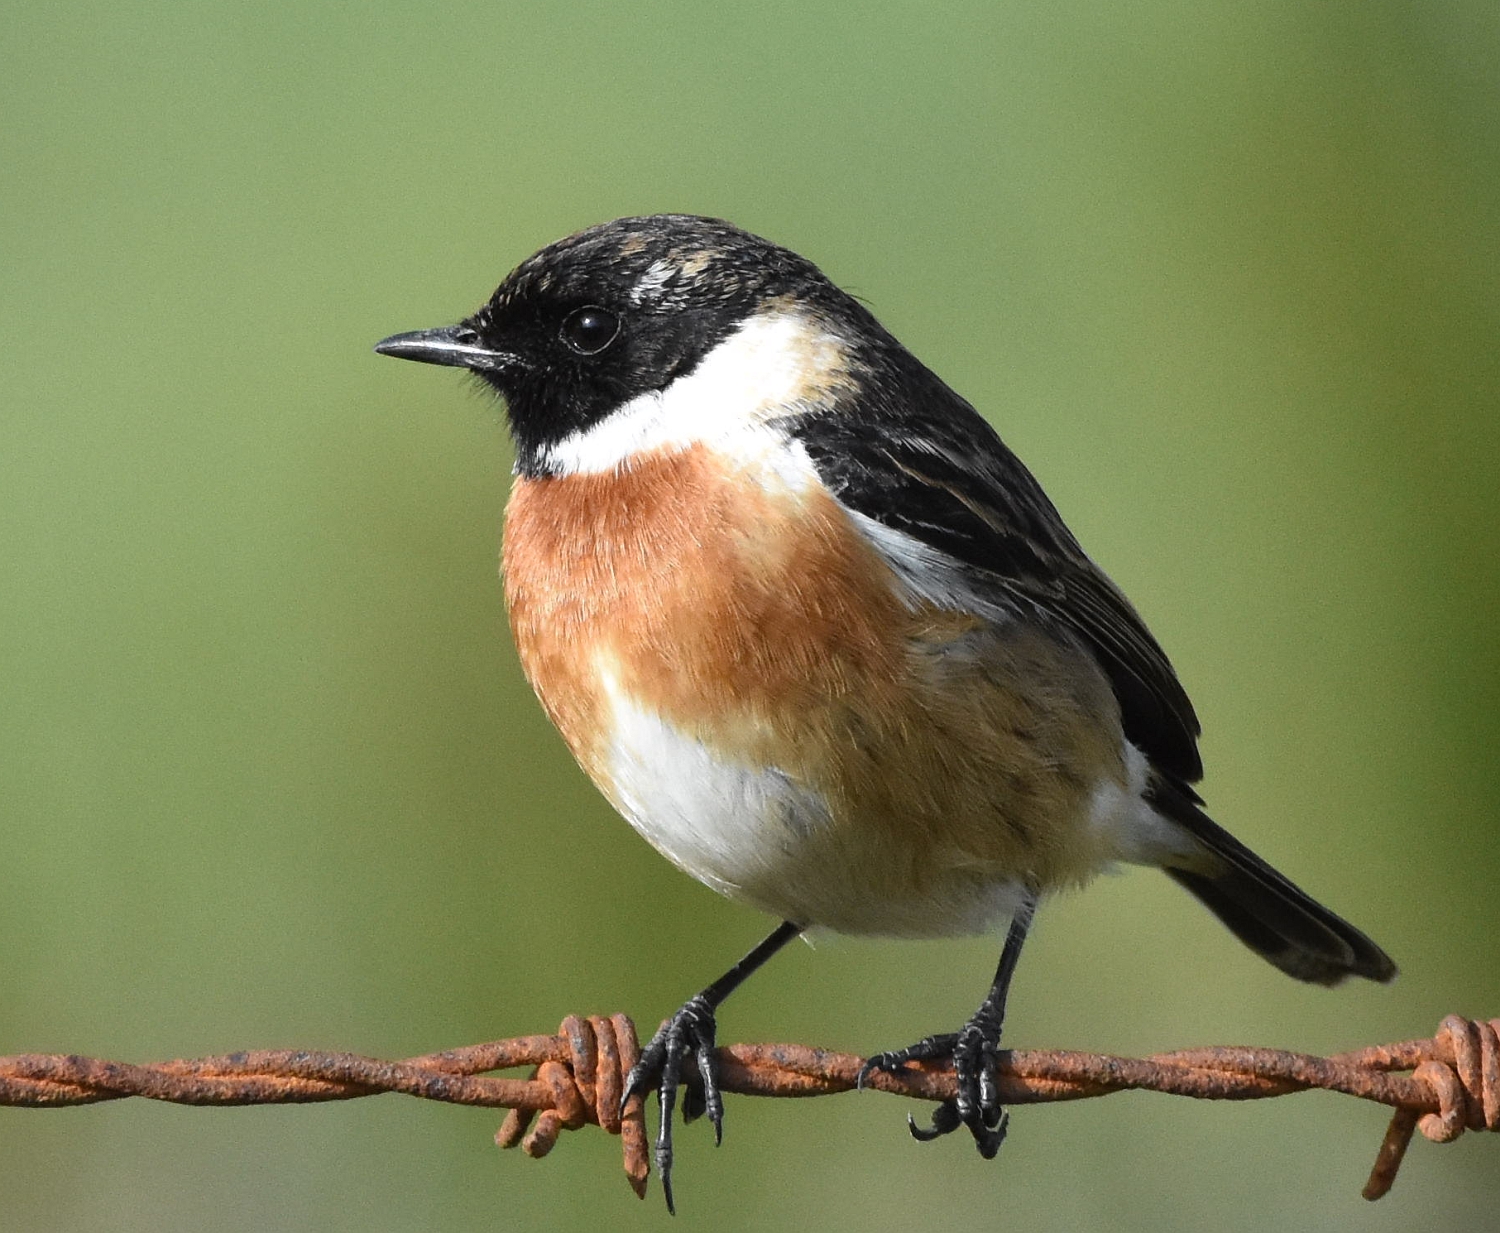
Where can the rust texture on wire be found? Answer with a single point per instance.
(577, 1077)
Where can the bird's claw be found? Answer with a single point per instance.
(688, 1034)
(925, 1050)
(975, 1053)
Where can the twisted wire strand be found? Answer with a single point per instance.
(577, 1077)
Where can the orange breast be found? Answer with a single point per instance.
(715, 601)
(753, 618)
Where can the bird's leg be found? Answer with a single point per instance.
(690, 1034)
(975, 1051)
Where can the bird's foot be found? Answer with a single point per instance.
(974, 1052)
(687, 1036)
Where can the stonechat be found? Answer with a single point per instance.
(820, 636)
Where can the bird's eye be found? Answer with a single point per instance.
(589, 330)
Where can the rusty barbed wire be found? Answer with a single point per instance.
(577, 1077)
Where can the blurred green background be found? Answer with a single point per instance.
(1225, 276)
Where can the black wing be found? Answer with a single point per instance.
(948, 480)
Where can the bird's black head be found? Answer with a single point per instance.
(614, 312)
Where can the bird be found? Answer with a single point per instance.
(822, 639)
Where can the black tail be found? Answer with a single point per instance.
(1274, 918)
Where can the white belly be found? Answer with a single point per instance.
(735, 828)
(754, 834)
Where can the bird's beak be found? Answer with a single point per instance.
(457, 346)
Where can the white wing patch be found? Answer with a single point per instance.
(927, 574)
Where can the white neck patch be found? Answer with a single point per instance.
(776, 364)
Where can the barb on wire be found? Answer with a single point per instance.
(577, 1077)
